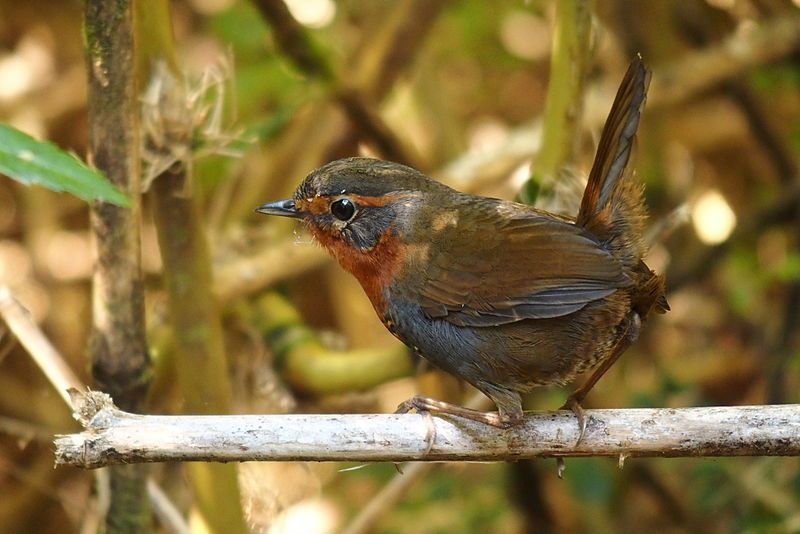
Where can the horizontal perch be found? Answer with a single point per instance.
(113, 436)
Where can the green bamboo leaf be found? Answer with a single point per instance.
(29, 161)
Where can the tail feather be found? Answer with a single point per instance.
(613, 207)
(650, 296)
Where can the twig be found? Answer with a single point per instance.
(293, 40)
(64, 381)
(118, 349)
(120, 361)
(395, 489)
(24, 431)
(169, 516)
(116, 437)
(744, 49)
(238, 276)
(38, 346)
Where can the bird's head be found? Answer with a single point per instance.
(363, 211)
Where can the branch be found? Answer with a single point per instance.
(38, 346)
(394, 490)
(298, 45)
(120, 363)
(569, 64)
(116, 437)
(61, 377)
(198, 336)
(734, 55)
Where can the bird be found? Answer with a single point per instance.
(500, 294)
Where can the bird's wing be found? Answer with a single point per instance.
(529, 265)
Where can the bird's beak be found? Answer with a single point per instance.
(282, 208)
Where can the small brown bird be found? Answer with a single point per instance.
(500, 294)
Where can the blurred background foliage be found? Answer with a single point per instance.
(457, 88)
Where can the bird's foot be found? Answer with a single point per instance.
(426, 404)
(573, 404)
(414, 403)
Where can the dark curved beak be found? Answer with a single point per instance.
(282, 208)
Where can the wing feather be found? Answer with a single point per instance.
(531, 266)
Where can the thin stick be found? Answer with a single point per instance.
(390, 494)
(24, 431)
(52, 363)
(167, 513)
(38, 346)
(116, 437)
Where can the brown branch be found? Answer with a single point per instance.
(120, 362)
(63, 380)
(736, 54)
(293, 40)
(193, 311)
(297, 45)
(119, 351)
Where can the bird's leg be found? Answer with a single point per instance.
(573, 402)
(500, 419)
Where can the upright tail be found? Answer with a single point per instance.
(613, 207)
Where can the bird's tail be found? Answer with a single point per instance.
(613, 207)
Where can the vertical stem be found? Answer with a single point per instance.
(120, 362)
(200, 353)
(198, 335)
(569, 63)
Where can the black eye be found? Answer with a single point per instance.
(343, 209)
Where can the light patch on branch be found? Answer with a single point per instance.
(114, 436)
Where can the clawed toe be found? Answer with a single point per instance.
(422, 406)
(575, 407)
(561, 466)
(415, 403)
(425, 404)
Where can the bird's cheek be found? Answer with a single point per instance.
(337, 226)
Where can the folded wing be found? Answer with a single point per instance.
(530, 266)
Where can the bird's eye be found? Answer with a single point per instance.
(343, 209)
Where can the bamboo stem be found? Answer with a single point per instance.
(120, 362)
(194, 316)
(563, 112)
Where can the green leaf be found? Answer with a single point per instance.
(530, 190)
(29, 161)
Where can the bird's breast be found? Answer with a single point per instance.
(375, 269)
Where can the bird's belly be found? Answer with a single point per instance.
(518, 355)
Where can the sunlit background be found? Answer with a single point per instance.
(719, 163)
